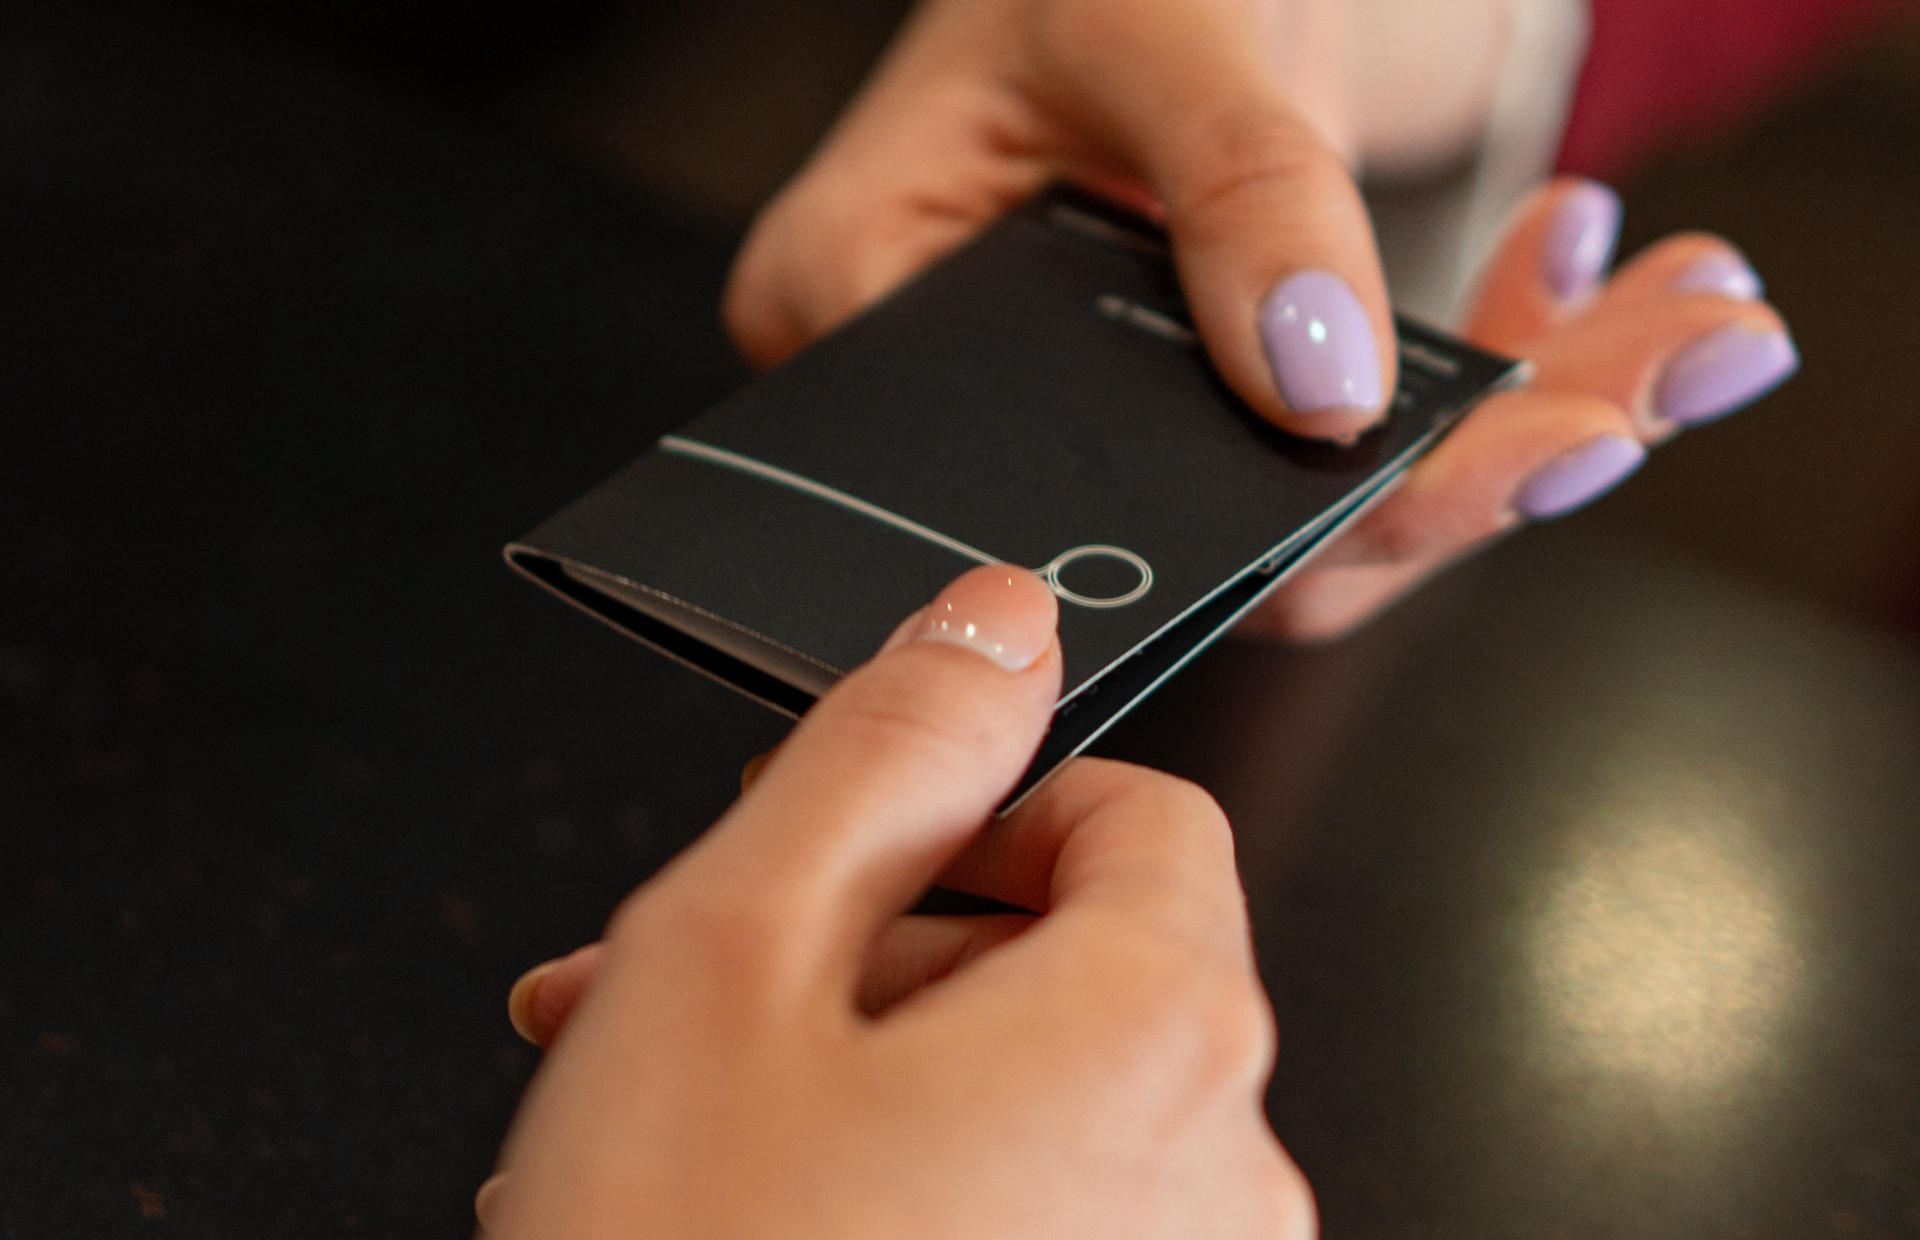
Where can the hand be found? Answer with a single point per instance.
(1236, 122)
(1677, 338)
(769, 1046)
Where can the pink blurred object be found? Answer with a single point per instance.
(1660, 70)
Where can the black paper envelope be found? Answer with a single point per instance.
(1036, 398)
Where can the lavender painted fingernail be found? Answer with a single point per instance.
(1724, 372)
(1726, 275)
(1580, 240)
(1320, 345)
(1579, 476)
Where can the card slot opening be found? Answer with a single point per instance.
(668, 632)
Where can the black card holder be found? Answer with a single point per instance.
(1038, 397)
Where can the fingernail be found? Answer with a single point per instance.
(1724, 372)
(1580, 240)
(1579, 476)
(1320, 345)
(521, 1000)
(1725, 275)
(1002, 612)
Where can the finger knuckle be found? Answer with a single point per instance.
(1152, 984)
(1315, 610)
(1291, 1211)
(1212, 1009)
(1400, 531)
(1428, 523)
(1169, 799)
(927, 709)
(1085, 786)
(1237, 1033)
(1189, 816)
(1191, 804)
(1246, 153)
(720, 936)
(1194, 839)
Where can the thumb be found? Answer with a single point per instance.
(1275, 250)
(895, 769)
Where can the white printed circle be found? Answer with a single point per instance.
(1050, 573)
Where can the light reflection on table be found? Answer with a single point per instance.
(1664, 948)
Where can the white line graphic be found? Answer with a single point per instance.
(1049, 572)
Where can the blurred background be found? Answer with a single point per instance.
(305, 309)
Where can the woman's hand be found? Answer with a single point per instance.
(1234, 121)
(1677, 338)
(1237, 123)
(771, 1046)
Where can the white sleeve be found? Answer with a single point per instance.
(1435, 235)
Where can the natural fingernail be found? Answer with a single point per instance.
(1579, 476)
(1580, 240)
(1725, 275)
(523, 999)
(1724, 372)
(1002, 612)
(1320, 345)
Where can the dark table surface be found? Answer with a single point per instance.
(1587, 885)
